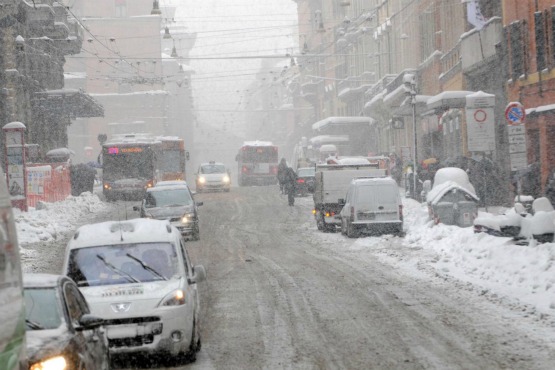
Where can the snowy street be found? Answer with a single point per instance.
(281, 293)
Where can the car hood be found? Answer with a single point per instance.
(214, 176)
(138, 299)
(169, 212)
(42, 344)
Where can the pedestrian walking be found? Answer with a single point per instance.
(289, 184)
(282, 169)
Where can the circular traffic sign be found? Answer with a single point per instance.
(480, 115)
(515, 113)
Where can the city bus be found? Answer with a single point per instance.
(171, 162)
(257, 163)
(12, 306)
(129, 166)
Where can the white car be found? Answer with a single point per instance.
(212, 176)
(137, 276)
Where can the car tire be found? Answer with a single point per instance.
(351, 231)
(343, 230)
(196, 233)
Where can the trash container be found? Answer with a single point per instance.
(82, 178)
(455, 207)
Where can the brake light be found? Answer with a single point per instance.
(244, 169)
(300, 181)
(274, 170)
(400, 212)
(330, 214)
(313, 211)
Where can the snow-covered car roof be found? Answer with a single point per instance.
(167, 187)
(138, 230)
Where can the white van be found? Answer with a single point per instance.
(12, 308)
(372, 206)
(138, 277)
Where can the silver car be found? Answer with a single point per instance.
(137, 276)
(174, 203)
(212, 176)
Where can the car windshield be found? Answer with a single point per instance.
(42, 308)
(212, 168)
(306, 172)
(168, 197)
(123, 264)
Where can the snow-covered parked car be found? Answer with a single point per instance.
(517, 223)
(507, 224)
(452, 199)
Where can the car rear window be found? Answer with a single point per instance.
(168, 197)
(305, 172)
(377, 194)
(123, 264)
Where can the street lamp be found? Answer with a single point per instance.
(410, 82)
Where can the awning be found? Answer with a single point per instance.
(71, 102)
(338, 122)
(448, 99)
(405, 109)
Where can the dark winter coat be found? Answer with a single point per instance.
(290, 180)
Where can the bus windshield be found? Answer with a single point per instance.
(171, 161)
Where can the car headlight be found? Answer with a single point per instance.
(107, 186)
(226, 179)
(175, 298)
(201, 180)
(53, 363)
(188, 217)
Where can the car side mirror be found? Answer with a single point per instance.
(341, 202)
(88, 322)
(199, 274)
(199, 204)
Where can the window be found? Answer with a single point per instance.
(517, 44)
(74, 306)
(121, 8)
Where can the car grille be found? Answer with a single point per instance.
(132, 320)
(136, 341)
(131, 342)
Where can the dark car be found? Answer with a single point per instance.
(61, 332)
(305, 180)
(174, 203)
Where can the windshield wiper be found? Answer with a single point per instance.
(116, 270)
(33, 325)
(146, 267)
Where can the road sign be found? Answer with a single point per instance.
(515, 113)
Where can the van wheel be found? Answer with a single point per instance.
(320, 223)
(343, 231)
(351, 231)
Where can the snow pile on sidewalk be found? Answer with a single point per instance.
(52, 219)
(495, 264)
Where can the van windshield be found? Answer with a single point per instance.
(371, 195)
(122, 264)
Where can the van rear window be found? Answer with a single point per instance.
(377, 194)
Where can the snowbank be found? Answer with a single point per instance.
(48, 220)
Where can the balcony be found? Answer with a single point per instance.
(479, 47)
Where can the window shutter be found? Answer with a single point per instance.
(539, 29)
